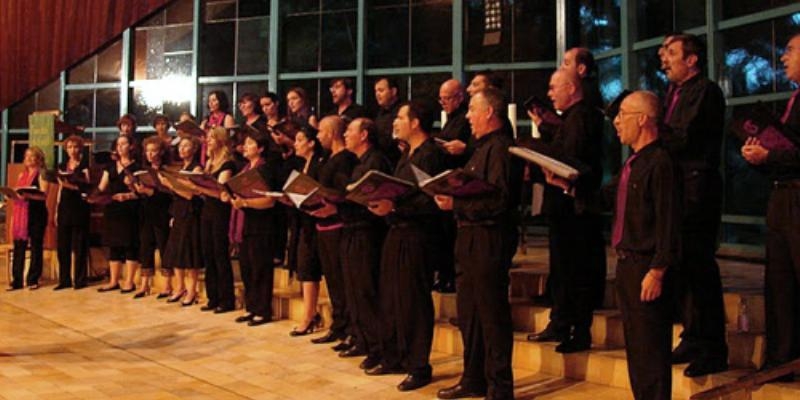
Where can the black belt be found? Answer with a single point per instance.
(626, 254)
(358, 225)
(790, 184)
(462, 224)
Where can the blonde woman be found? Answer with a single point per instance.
(29, 221)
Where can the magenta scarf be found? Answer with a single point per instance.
(20, 218)
(236, 225)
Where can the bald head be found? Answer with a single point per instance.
(644, 102)
(565, 88)
(451, 95)
(637, 120)
(331, 129)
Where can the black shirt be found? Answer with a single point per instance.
(350, 113)
(417, 206)
(650, 223)
(784, 165)
(260, 222)
(579, 142)
(371, 159)
(334, 173)
(693, 134)
(214, 208)
(384, 121)
(490, 161)
(72, 209)
(457, 128)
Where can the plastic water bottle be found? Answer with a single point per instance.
(743, 321)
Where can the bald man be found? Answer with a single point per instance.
(577, 247)
(644, 235)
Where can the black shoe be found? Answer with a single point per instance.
(62, 287)
(190, 302)
(142, 294)
(222, 310)
(208, 307)
(79, 286)
(369, 363)
(177, 297)
(413, 382)
(353, 351)
(245, 318)
(108, 288)
(542, 300)
(329, 337)
(549, 334)
(382, 369)
(13, 288)
(705, 366)
(164, 295)
(458, 391)
(573, 346)
(684, 353)
(347, 343)
(128, 290)
(258, 320)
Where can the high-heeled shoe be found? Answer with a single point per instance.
(310, 328)
(177, 297)
(142, 293)
(193, 301)
(108, 288)
(164, 295)
(128, 290)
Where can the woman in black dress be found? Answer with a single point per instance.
(215, 218)
(154, 221)
(121, 216)
(184, 253)
(72, 215)
(29, 221)
(257, 218)
(311, 155)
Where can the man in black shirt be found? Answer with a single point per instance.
(694, 120)
(481, 250)
(362, 236)
(577, 247)
(406, 261)
(342, 92)
(581, 61)
(386, 97)
(644, 235)
(782, 277)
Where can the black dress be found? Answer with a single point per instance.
(73, 231)
(306, 256)
(183, 246)
(121, 218)
(154, 231)
(215, 218)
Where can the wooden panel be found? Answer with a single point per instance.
(40, 38)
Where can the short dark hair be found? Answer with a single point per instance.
(272, 96)
(584, 56)
(347, 82)
(160, 118)
(494, 79)
(494, 98)
(251, 97)
(132, 141)
(422, 111)
(368, 125)
(391, 81)
(222, 98)
(261, 139)
(311, 134)
(692, 45)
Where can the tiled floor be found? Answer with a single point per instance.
(82, 344)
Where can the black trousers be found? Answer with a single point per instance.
(331, 261)
(255, 261)
(72, 239)
(648, 331)
(361, 252)
(153, 236)
(446, 241)
(484, 314)
(782, 280)
(699, 282)
(219, 273)
(577, 263)
(35, 267)
(405, 297)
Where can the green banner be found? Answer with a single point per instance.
(42, 134)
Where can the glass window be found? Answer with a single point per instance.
(46, 98)
(80, 108)
(610, 78)
(598, 24)
(318, 36)
(657, 17)
(163, 44)
(388, 36)
(106, 107)
(647, 73)
(170, 97)
(108, 64)
(751, 58)
(253, 51)
(20, 111)
(736, 8)
(525, 32)
(235, 37)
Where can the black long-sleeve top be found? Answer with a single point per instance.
(784, 165)
(417, 206)
(491, 162)
(693, 133)
(350, 113)
(335, 173)
(260, 222)
(457, 128)
(650, 223)
(578, 141)
(384, 121)
(72, 208)
(371, 159)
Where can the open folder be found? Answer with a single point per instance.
(559, 168)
